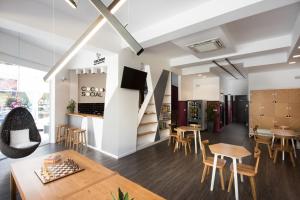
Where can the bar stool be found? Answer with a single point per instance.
(60, 133)
(69, 136)
(79, 139)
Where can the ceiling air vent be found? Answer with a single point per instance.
(206, 46)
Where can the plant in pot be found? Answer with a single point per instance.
(71, 106)
(210, 118)
(121, 196)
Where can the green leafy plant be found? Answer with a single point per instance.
(71, 106)
(121, 196)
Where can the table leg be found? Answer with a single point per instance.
(273, 139)
(236, 189)
(13, 188)
(195, 140)
(242, 177)
(213, 173)
(199, 138)
(294, 148)
(282, 146)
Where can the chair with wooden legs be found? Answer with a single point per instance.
(209, 162)
(286, 148)
(173, 136)
(260, 139)
(181, 141)
(191, 134)
(247, 170)
(70, 136)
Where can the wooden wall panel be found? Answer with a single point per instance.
(269, 108)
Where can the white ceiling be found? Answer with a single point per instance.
(256, 32)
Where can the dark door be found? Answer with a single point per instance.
(174, 105)
(242, 109)
(182, 113)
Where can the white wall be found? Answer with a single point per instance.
(280, 79)
(192, 87)
(233, 86)
(121, 109)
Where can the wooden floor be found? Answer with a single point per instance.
(174, 176)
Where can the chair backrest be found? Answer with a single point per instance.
(257, 153)
(203, 144)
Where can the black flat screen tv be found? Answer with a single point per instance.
(133, 79)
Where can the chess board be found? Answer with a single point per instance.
(58, 171)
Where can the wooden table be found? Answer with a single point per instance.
(24, 179)
(232, 151)
(195, 130)
(284, 135)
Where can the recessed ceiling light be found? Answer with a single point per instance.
(293, 62)
(296, 56)
(200, 75)
(299, 47)
(204, 77)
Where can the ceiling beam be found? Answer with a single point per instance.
(232, 65)
(224, 69)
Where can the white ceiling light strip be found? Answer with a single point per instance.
(84, 38)
(133, 44)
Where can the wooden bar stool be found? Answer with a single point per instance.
(60, 133)
(247, 170)
(69, 136)
(79, 139)
(208, 163)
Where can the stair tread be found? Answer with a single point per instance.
(146, 133)
(150, 113)
(146, 123)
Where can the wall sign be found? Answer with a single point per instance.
(99, 59)
(92, 91)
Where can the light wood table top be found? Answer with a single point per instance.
(284, 133)
(188, 128)
(85, 115)
(103, 190)
(229, 150)
(31, 188)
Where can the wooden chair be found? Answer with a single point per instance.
(173, 136)
(209, 162)
(69, 136)
(247, 170)
(181, 141)
(286, 148)
(191, 134)
(260, 139)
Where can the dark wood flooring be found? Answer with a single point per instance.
(175, 176)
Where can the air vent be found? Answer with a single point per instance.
(207, 46)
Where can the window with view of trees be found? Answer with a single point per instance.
(22, 86)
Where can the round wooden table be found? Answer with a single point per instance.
(284, 135)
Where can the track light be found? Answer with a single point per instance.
(133, 44)
(84, 38)
(72, 3)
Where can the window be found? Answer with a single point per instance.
(22, 86)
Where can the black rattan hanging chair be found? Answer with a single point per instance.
(18, 119)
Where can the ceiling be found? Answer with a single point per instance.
(256, 33)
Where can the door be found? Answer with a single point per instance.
(182, 113)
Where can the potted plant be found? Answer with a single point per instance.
(71, 106)
(121, 196)
(210, 118)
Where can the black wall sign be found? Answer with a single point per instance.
(99, 59)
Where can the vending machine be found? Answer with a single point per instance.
(197, 113)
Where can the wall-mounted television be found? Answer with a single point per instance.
(133, 79)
